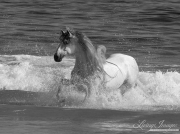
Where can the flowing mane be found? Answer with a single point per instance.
(119, 71)
(87, 57)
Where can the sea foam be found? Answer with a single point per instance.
(42, 74)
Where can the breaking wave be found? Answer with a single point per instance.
(35, 80)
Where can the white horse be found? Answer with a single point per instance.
(119, 71)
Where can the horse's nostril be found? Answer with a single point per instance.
(56, 58)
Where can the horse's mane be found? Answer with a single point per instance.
(94, 62)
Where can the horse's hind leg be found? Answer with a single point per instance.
(132, 76)
(123, 88)
(126, 87)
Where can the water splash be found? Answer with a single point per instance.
(43, 75)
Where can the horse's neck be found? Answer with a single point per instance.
(83, 66)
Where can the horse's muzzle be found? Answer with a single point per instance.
(58, 58)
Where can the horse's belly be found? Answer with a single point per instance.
(114, 78)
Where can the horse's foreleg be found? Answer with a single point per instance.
(61, 101)
(84, 88)
(63, 82)
(57, 95)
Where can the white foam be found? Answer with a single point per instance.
(30, 73)
(42, 74)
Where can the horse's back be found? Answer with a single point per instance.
(127, 64)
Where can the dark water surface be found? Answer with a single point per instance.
(47, 120)
(148, 30)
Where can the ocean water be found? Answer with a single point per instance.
(29, 76)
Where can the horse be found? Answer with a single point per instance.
(119, 71)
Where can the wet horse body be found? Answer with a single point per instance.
(123, 70)
(117, 71)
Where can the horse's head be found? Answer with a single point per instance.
(66, 46)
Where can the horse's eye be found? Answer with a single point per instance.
(66, 41)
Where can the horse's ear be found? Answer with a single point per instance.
(62, 32)
(70, 34)
(70, 31)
